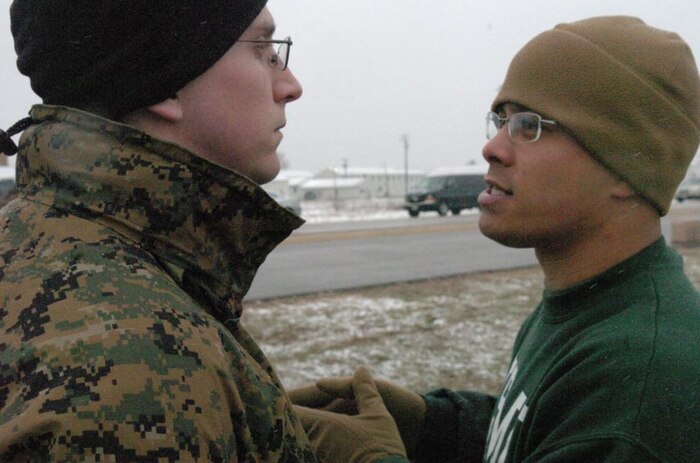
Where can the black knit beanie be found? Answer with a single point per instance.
(114, 56)
(629, 93)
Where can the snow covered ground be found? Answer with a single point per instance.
(350, 211)
(455, 332)
(359, 210)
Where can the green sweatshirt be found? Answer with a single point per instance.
(608, 370)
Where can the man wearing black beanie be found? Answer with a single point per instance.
(137, 232)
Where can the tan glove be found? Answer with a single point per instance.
(406, 407)
(362, 438)
(311, 396)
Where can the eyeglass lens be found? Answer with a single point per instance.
(283, 54)
(523, 127)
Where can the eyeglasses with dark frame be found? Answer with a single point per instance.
(279, 59)
(523, 127)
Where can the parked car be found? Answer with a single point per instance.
(688, 189)
(447, 189)
(7, 185)
(291, 203)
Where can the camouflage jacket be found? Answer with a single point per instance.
(122, 268)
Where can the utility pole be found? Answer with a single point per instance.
(387, 185)
(335, 189)
(404, 139)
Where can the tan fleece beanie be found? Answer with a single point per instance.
(629, 93)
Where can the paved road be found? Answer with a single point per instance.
(323, 257)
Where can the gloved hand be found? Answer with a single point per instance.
(311, 396)
(363, 438)
(335, 394)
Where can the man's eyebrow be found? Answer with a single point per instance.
(266, 29)
(513, 107)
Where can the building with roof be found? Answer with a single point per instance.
(377, 182)
(334, 189)
(288, 183)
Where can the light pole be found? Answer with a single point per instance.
(404, 139)
(335, 189)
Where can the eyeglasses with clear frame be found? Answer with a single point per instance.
(523, 127)
(278, 59)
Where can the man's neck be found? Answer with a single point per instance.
(575, 261)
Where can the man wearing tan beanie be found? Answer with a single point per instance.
(589, 136)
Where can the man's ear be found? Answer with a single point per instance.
(169, 109)
(621, 190)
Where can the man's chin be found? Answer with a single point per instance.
(265, 173)
(504, 237)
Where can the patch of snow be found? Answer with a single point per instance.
(359, 210)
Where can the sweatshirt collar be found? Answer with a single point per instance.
(566, 303)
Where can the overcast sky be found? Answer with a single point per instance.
(374, 70)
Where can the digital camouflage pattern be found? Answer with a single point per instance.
(123, 264)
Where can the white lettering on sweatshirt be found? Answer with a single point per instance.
(503, 426)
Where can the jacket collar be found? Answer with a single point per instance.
(211, 227)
